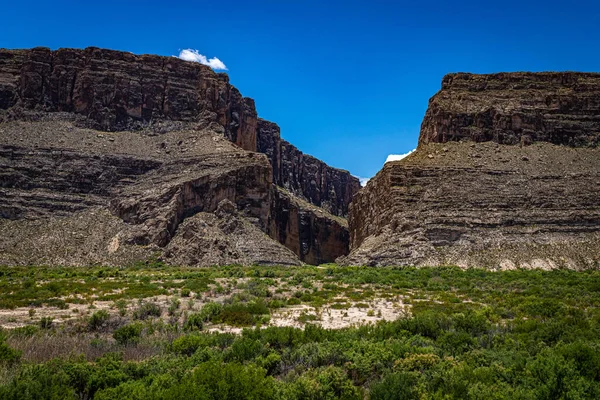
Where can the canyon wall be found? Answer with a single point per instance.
(506, 175)
(117, 91)
(146, 142)
(305, 176)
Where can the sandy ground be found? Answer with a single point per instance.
(340, 313)
(295, 316)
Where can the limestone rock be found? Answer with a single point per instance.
(311, 232)
(491, 201)
(115, 91)
(163, 149)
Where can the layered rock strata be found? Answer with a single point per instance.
(309, 231)
(162, 150)
(506, 175)
(115, 91)
(305, 176)
(148, 196)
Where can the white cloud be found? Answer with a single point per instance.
(363, 181)
(396, 157)
(195, 56)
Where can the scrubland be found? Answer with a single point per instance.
(152, 331)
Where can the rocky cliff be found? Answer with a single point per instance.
(512, 108)
(506, 175)
(309, 231)
(305, 176)
(161, 154)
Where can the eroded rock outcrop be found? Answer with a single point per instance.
(116, 91)
(311, 232)
(512, 108)
(305, 176)
(506, 175)
(157, 148)
(146, 194)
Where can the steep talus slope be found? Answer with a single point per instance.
(144, 147)
(506, 175)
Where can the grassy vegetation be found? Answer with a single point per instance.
(157, 332)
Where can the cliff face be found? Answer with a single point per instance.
(118, 91)
(510, 108)
(506, 175)
(312, 233)
(145, 142)
(305, 176)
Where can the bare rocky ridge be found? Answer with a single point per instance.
(506, 174)
(159, 148)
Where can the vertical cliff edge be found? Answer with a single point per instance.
(506, 174)
(110, 157)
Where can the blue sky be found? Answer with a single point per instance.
(347, 81)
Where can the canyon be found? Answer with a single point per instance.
(112, 158)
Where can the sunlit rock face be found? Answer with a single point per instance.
(506, 175)
(110, 157)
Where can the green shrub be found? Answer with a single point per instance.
(121, 305)
(194, 322)
(428, 324)
(146, 310)
(225, 381)
(8, 355)
(25, 331)
(545, 308)
(239, 314)
(188, 344)
(271, 363)
(396, 386)
(276, 303)
(292, 301)
(173, 306)
(323, 383)
(42, 382)
(98, 319)
(209, 311)
(244, 349)
(46, 322)
(128, 334)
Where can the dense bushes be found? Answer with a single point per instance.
(128, 334)
(7, 354)
(396, 386)
(521, 335)
(435, 354)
